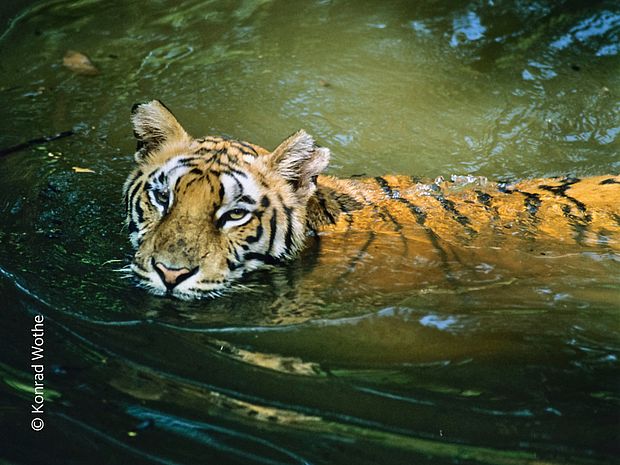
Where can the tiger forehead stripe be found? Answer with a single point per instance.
(232, 169)
(197, 174)
(247, 199)
(246, 148)
(224, 150)
(237, 189)
(177, 166)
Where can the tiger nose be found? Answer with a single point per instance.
(171, 277)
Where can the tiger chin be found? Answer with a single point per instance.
(203, 212)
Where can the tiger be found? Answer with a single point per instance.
(204, 212)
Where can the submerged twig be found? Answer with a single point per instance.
(39, 140)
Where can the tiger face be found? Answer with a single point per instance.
(203, 212)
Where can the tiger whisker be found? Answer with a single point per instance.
(124, 269)
(256, 289)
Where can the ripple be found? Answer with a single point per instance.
(225, 439)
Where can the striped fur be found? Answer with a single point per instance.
(219, 208)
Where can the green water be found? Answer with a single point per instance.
(521, 371)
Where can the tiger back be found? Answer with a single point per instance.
(407, 234)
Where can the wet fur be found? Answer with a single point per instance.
(290, 199)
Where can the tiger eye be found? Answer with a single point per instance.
(162, 196)
(236, 214)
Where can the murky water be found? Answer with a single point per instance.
(515, 371)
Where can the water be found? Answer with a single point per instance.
(512, 371)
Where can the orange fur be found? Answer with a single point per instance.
(187, 217)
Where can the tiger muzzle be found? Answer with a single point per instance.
(170, 276)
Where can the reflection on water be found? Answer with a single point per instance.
(497, 368)
(466, 28)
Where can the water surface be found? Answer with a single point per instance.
(514, 371)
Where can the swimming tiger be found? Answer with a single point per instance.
(203, 212)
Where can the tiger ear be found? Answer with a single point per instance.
(300, 161)
(153, 125)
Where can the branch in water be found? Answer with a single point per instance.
(40, 140)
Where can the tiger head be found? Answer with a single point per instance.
(203, 212)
